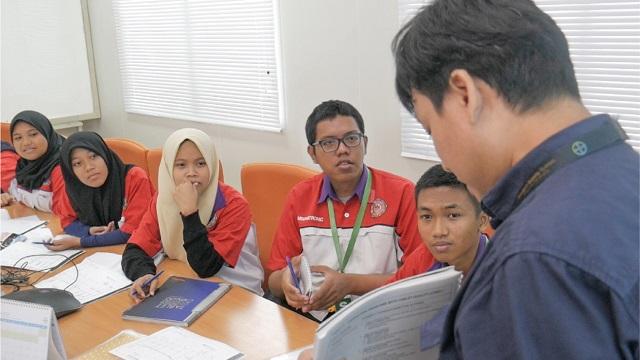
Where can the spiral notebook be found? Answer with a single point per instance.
(29, 331)
(179, 301)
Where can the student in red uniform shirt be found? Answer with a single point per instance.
(450, 223)
(451, 226)
(373, 210)
(105, 200)
(38, 180)
(195, 219)
(8, 161)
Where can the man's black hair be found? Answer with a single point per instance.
(327, 111)
(511, 45)
(437, 176)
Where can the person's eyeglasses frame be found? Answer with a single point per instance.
(340, 140)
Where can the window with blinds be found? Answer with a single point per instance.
(604, 41)
(201, 60)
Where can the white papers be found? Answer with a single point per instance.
(29, 331)
(19, 225)
(385, 323)
(177, 344)
(293, 355)
(98, 275)
(101, 351)
(35, 256)
(4, 215)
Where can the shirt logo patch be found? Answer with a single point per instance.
(378, 208)
(311, 218)
(212, 222)
(579, 148)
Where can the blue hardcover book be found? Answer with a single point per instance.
(179, 301)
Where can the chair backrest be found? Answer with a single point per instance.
(129, 151)
(153, 162)
(4, 134)
(265, 186)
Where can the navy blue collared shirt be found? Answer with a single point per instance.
(560, 279)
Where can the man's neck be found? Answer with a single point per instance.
(536, 127)
(346, 188)
(465, 264)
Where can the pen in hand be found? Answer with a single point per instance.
(145, 285)
(42, 242)
(294, 277)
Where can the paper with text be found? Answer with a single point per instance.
(385, 323)
(19, 225)
(35, 256)
(29, 331)
(177, 344)
(98, 275)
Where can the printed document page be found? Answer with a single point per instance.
(385, 323)
(35, 257)
(19, 225)
(177, 344)
(98, 275)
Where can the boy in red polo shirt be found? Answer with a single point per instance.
(353, 223)
(451, 226)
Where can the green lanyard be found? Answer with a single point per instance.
(342, 261)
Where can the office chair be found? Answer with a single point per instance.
(4, 134)
(265, 186)
(129, 151)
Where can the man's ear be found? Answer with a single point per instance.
(483, 222)
(311, 150)
(366, 141)
(465, 94)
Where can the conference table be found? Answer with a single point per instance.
(256, 326)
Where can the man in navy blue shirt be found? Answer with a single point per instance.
(493, 83)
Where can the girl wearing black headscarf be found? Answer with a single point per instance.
(105, 198)
(38, 181)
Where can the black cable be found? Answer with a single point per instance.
(19, 277)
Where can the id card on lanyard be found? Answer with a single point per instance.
(343, 258)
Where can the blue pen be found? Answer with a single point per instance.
(293, 274)
(147, 283)
(43, 242)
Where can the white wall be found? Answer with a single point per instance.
(332, 49)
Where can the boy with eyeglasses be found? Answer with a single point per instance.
(353, 223)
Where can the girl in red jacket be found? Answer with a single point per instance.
(195, 219)
(105, 200)
(32, 175)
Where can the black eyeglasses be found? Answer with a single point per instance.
(332, 144)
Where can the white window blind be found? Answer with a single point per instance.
(604, 41)
(202, 60)
(416, 143)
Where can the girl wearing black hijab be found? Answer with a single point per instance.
(38, 181)
(105, 198)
